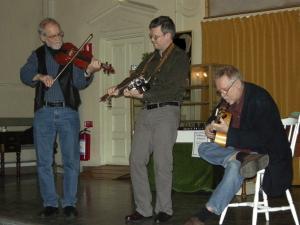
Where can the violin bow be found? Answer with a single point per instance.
(73, 57)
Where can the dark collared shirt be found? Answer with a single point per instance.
(236, 110)
(168, 83)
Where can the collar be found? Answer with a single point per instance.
(167, 50)
(238, 104)
(52, 51)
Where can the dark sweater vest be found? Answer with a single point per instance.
(71, 93)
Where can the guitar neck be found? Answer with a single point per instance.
(121, 87)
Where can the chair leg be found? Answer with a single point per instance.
(244, 190)
(18, 164)
(254, 212)
(2, 171)
(222, 217)
(266, 204)
(256, 199)
(293, 210)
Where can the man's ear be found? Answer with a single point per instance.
(43, 38)
(169, 35)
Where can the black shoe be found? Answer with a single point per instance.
(252, 163)
(194, 221)
(48, 211)
(70, 212)
(136, 217)
(162, 217)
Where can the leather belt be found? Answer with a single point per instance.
(54, 104)
(162, 104)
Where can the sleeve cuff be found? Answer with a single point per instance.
(146, 95)
(86, 75)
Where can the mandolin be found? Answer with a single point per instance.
(221, 137)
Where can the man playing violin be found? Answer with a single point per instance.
(56, 112)
(255, 136)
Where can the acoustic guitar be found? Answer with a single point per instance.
(221, 137)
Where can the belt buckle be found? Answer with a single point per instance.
(152, 106)
(55, 104)
(47, 104)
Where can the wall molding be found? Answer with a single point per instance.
(122, 18)
(188, 8)
(8, 84)
(48, 8)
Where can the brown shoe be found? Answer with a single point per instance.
(194, 221)
(136, 217)
(252, 163)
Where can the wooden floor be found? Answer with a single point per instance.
(106, 202)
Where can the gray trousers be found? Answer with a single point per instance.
(155, 132)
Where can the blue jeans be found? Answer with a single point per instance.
(47, 123)
(231, 181)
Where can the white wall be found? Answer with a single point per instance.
(18, 38)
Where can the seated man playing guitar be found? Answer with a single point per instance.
(253, 138)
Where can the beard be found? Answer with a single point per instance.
(54, 46)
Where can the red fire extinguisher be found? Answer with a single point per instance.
(85, 144)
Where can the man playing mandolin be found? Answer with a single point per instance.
(165, 70)
(56, 104)
(255, 136)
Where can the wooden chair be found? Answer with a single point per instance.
(262, 206)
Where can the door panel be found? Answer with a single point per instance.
(116, 120)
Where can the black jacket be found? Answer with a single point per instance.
(261, 131)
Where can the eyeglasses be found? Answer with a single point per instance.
(155, 37)
(52, 37)
(224, 93)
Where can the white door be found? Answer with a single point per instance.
(115, 122)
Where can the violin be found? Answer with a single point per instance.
(67, 50)
(82, 59)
